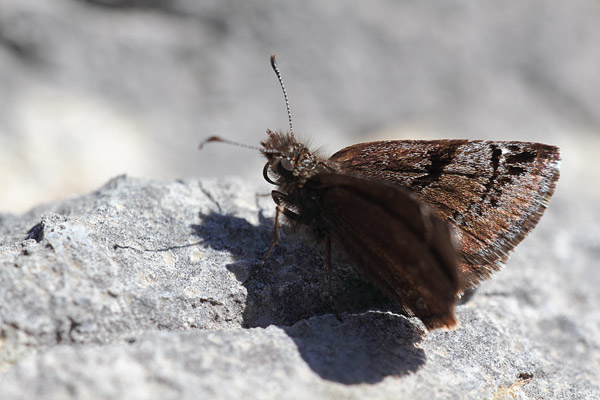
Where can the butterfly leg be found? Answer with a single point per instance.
(467, 295)
(278, 198)
(328, 267)
(274, 242)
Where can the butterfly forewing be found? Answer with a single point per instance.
(492, 193)
(397, 242)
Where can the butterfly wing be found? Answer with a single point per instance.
(492, 193)
(398, 243)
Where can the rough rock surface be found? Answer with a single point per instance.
(134, 291)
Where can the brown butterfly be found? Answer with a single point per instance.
(422, 220)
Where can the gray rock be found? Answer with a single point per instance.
(134, 291)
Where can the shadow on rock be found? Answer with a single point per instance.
(291, 291)
(235, 235)
(365, 348)
(292, 285)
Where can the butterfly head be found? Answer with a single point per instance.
(287, 159)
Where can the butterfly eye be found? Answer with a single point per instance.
(281, 166)
(286, 164)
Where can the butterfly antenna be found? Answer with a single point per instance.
(285, 96)
(220, 139)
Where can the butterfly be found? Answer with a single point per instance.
(421, 220)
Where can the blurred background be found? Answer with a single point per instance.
(93, 89)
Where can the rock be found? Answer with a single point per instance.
(134, 291)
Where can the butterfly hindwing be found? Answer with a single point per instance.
(400, 245)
